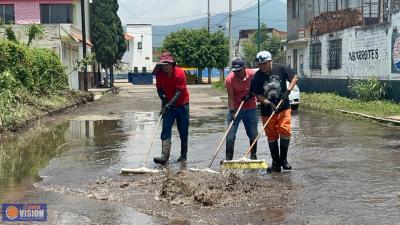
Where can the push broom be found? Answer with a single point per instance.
(144, 169)
(220, 144)
(244, 162)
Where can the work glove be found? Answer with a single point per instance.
(165, 109)
(285, 95)
(246, 98)
(233, 112)
(266, 102)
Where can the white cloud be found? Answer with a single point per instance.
(163, 12)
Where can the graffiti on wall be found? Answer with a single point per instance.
(364, 55)
(395, 50)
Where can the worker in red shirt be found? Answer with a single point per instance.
(174, 95)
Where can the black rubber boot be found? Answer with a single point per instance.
(253, 155)
(166, 150)
(283, 156)
(229, 151)
(184, 149)
(276, 165)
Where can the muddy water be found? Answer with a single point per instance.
(345, 172)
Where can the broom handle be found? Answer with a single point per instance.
(265, 125)
(152, 141)
(226, 134)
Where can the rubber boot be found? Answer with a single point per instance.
(229, 151)
(253, 155)
(184, 149)
(283, 156)
(166, 150)
(276, 165)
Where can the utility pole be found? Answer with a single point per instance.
(230, 32)
(209, 16)
(208, 28)
(258, 29)
(85, 75)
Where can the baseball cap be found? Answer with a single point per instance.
(237, 64)
(166, 57)
(263, 57)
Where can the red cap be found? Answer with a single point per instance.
(166, 57)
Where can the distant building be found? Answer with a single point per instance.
(62, 24)
(139, 55)
(244, 35)
(330, 41)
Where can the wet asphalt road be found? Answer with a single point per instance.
(348, 169)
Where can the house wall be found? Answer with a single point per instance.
(128, 56)
(27, 12)
(365, 53)
(142, 57)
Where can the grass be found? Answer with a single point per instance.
(19, 108)
(218, 85)
(329, 102)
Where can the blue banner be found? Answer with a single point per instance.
(24, 212)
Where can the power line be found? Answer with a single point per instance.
(252, 8)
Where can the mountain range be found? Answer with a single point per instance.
(272, 13)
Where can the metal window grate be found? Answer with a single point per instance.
(335, 54)
(315, 56)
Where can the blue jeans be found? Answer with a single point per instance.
(250, 121)
(181, 115)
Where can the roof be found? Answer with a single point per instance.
(78, 38)
(128, 37)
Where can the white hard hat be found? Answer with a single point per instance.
(263, 56)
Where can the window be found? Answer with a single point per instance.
(335, 54)
(56, 13)
(135, 69)
(139, 45)
(295, 8)
(144, 70)
(315, 56)
(7, 13)
(370, 10)
(331, 5)
(289, 61)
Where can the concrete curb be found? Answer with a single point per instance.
(379, 119)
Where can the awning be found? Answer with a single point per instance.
(79, 38)
(128, 37)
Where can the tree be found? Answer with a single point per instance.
(34, 31)
(198, 48)
(108, 35)
(272, 44)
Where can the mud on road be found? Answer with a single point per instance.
(198, 196)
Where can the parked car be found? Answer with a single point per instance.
(294, 97)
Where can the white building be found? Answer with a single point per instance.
(139, 55)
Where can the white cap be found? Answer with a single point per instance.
(263, 56)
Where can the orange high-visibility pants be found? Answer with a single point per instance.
(279, 125)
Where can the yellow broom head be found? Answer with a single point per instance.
(243, 163)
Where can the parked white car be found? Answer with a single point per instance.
(294, 97)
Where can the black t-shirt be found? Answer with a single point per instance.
(272, 85)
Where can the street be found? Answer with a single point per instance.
(345, 171)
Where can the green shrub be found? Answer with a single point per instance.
(368, 90)
(40, 71)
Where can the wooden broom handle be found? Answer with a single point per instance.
(259, 134)
(152, 141)
(226, 134)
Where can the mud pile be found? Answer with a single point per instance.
(193, 188)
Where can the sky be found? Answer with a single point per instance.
(167, 12)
